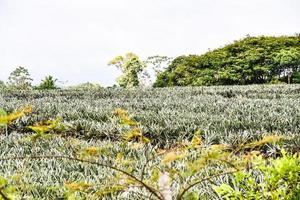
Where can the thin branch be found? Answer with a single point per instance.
(226, 162)
(180, 196)
(3, 195)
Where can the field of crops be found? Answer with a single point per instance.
(224, 114)
(230, 115)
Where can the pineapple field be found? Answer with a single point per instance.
(223, 114)
(217, 142)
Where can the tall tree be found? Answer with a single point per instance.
(20, 79)
(131, 67)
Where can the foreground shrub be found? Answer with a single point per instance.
(274, 178)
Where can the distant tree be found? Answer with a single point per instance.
(155, 66)
(86, 86)
(158, 63)
(181, 72)
(131, 67)
(20, 79)
(287, 61)
(49, 83)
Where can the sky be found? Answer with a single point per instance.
(73, 40)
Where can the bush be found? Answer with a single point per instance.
(48, 84)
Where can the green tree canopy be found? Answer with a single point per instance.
(252, 60)
(20, 79)
(131, 66)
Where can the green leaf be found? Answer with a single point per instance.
(3, 182)
(3, 115)
(191, 196)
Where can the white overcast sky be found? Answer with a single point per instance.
(74, 39)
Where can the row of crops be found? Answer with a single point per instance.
(223, 114)
(38, 170)
(223, 142)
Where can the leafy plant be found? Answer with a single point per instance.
(49, 83)
(42, 128)
(134, 132)
(272, 178)
(7, 191)
(7, 119)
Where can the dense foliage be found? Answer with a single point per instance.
(253, 60)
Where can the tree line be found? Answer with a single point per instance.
(20, 79)
(252, 60)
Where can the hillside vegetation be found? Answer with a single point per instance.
(253, 60)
